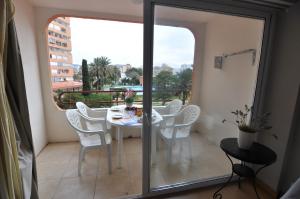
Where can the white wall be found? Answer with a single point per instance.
(25, 25)
(282, 89)
(290, 170)
(218, 92)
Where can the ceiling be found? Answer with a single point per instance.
(131, 7)
(274, 3)
(135, 8)
(163, 14)
(120, 7)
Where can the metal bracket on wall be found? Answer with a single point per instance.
(219, 60)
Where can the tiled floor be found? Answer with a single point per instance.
(208, 161)
(230, 192)
(57, 169)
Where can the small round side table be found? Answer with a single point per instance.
(257, 154)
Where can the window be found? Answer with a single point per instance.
(53, 71)
(53, 63)
(51, 40)
(60, 64)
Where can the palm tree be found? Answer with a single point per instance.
(114, 74)
(99, 70)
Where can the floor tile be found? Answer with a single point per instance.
(89, 167)
(112, 186)
(47, 188)
(51, 170)
(76, 188)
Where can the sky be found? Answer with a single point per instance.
(122, 43)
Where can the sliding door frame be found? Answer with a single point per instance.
(218, 6)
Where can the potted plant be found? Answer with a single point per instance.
(129, 97)
(249, 127)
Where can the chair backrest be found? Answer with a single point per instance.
(74, 119)
(190, 114)
(83, 109)
(174, 106)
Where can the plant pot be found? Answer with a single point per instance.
(246, 139)
(129, 105)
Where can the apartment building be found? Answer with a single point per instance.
(60, 54)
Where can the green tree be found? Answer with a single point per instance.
(99, 70)
(114, 74)
(164, 82)
(85, 77)
(134, 74)
(184, 83)
(125, 81)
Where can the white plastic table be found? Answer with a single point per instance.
(127, 121)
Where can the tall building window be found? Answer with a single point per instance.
(60, 57)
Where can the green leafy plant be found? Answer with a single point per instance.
(129, 96)
(255, 124)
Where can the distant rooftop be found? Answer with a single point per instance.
(66, 85)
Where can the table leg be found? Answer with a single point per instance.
(119, 147)
(153, 144)
(254, 185)
(218, 195)
(254, 179)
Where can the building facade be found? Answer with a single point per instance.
(60, 54)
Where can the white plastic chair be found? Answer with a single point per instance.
(89, 139)
(180, 130)
(169, 112)
(95, 119)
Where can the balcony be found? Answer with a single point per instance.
(221, 89)
(216, 90)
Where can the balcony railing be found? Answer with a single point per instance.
(101, 98)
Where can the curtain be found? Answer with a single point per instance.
(17, 166)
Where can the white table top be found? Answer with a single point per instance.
(129, 120)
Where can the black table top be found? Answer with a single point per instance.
(257, 154)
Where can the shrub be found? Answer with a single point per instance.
(94, 100)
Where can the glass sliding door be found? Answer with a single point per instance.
(204, 65)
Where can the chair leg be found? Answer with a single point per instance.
(181, 148)
(157, 142)
(190, 148)
(109, 153)
(81, 157)
(169, 152)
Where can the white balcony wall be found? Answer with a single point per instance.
(25, 25)
(219, 91)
